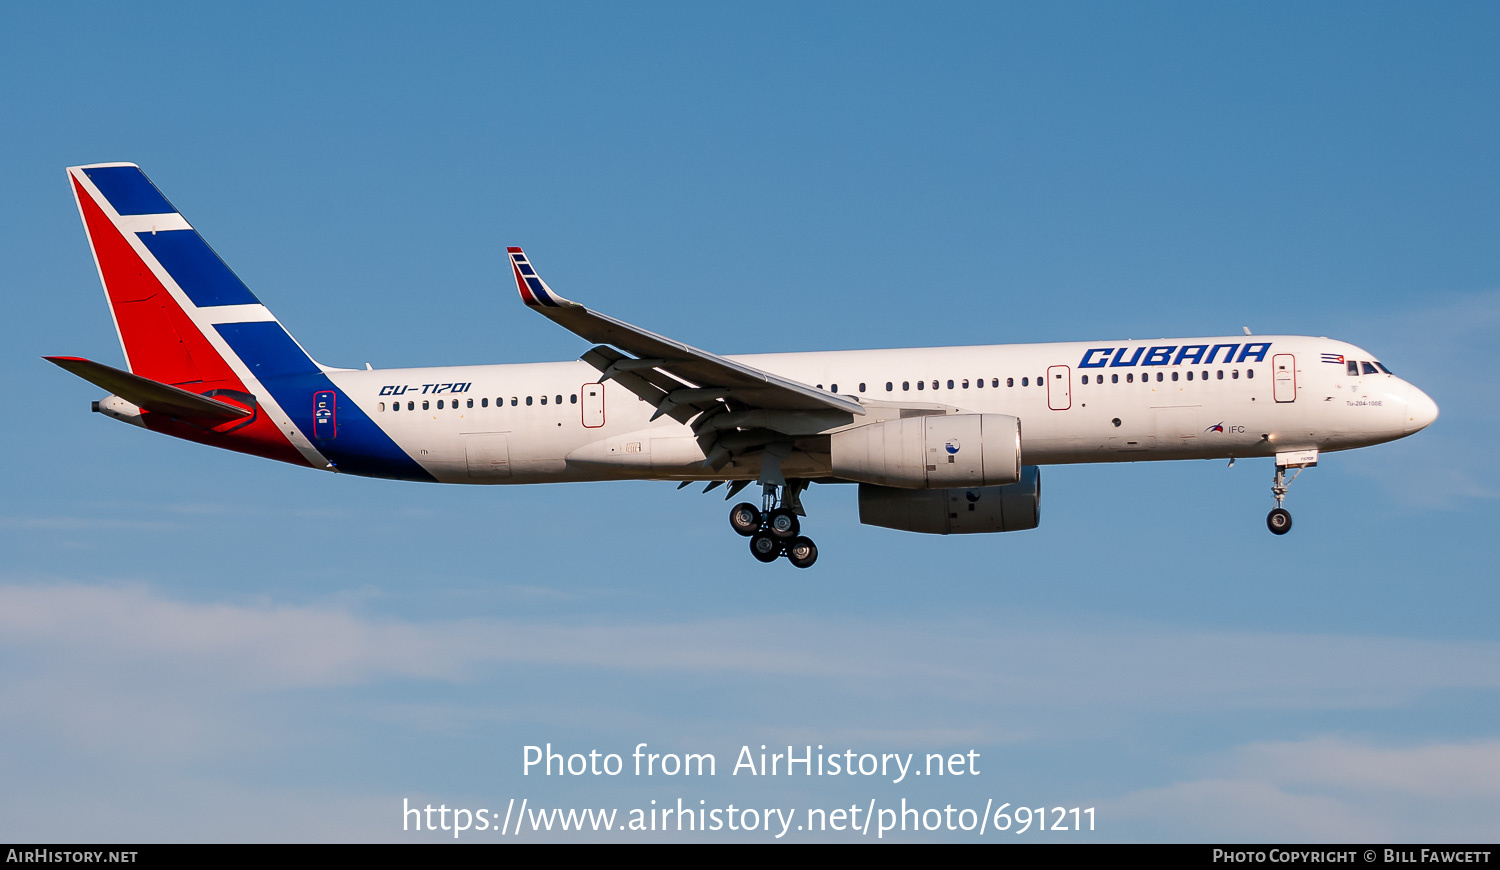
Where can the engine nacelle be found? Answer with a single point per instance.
(931, 452)
(960, 511)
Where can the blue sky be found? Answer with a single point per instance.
(197, 645)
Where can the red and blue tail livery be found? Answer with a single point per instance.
(945, 440)
(188, 322)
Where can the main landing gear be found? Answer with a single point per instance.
(773, 528)
(1279, 520)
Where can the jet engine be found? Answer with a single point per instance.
(955, 511)
(931, 452)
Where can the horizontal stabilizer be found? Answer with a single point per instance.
(149, 395)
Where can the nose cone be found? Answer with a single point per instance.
(1421, 410)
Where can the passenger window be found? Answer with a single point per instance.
(1249, 373)
(468, 403)
(934, 385)
(425, 406)
(1205, 376)
(1115, 379)
(950, 384)
(1098, 379)
(1353, 368)
(484, 403)
(382, 406)
(558, 398)
(889, 386)
(966, 383)
(1174, 376)
(995, 382)
(411, 406)
(1130, 377)
(1369, 369)
(515, 401)
(1221, 374)
(528, 400)
(573, 399)
(1025, 382)
(921, 385)
(1190, 376)
(1084, 380)
(861, 386)
(1235, 374)
(544, 400)
(835, 387)
(1010, 382)
(440, 404)
(906, 385)
(1158, 377)
(819, 386)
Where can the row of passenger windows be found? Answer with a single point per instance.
(994, 383)
(1234, 374)
(890, 386)
(483, 403)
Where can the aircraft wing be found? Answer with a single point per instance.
(674, 377)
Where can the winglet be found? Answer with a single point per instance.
(534, 291)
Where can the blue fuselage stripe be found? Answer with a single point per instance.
(358, 445)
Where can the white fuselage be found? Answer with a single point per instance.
(1077, 402)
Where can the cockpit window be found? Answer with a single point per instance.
(1384, 369)
(1369, 369)
(1353, 368)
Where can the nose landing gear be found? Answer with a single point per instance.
(773, 528)
(1279, 520)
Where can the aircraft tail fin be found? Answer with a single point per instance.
(184, 318)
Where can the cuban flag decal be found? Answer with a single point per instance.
(1335, 358)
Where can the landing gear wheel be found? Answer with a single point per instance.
(1279, 521)
(802, 552)
(764, 547)
(783, 524)
(744, 518)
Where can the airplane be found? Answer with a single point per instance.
(943, 440)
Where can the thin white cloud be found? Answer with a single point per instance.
(1330, 789)
(125, 679)
(73, 524)
(116, 635)
(1453, 771)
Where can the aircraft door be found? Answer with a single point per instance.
(1284, 377)
(1059, 388)
(592, 405)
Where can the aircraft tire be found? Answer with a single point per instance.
(764, 547)
(1279, 521)
(744, 518)
(783, 524)
(802, 552)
